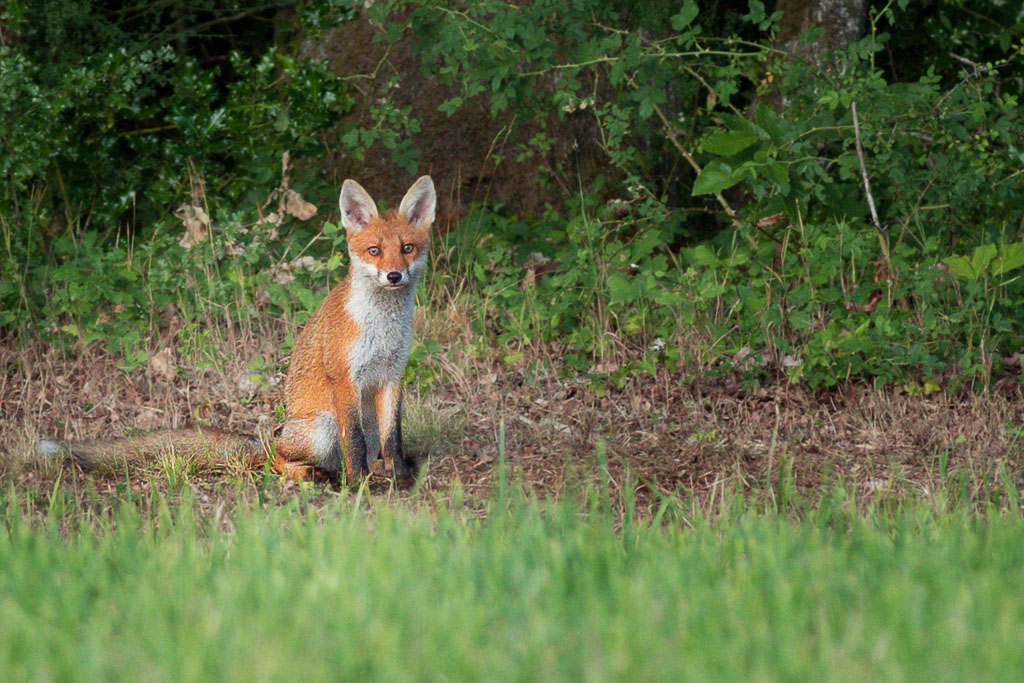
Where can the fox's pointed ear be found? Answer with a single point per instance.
(419, 203)
(357, 207)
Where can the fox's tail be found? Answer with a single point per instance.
(112, 455)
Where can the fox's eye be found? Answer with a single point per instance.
(373, 251)
(407, 248)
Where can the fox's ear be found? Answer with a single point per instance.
(419, 203)
(357, 207)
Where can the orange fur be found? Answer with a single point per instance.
(321, 382)
(346, 368)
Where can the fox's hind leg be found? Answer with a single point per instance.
(293, 451)
(309, 444)
(294, 470)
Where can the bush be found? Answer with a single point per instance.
(730, 228)
(124, 123)
(794, 275)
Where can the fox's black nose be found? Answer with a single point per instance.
(394, 277)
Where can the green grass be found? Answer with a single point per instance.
(141, 589)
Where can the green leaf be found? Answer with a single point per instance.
(769, 121)
(704, 256)
(715, 177)
(757, 13)
(961, 267)
(729, 142)
(620, 289)
(1010, 256)
(972, 267)
(739, 258)
(800, 320)
(648, 97)
(449, 107)
(711, 289)
(778, 173)
(283, 121)
(685, 17)
(982, 257)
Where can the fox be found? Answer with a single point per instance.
(343, 390)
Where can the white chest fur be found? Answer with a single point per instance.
(384, 317)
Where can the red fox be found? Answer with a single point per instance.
(343, 393)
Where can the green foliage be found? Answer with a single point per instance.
(728, 227)
(793, 276)
(944, 167)
(987, 260)
(828, 308)
(123, 94)
(118, 123)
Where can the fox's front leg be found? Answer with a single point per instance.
(389, 417)
(350, 431)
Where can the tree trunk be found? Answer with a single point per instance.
(843, 21)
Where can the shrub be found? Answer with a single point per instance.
(122, 122)
(732, 227)
(794, 274)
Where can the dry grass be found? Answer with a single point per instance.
(701, 439)
(653, 434)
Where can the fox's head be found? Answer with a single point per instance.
(390, 250)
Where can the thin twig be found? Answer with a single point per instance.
(670, 134)
(863, 168)
(973, 65)
(655, 56)
(227, 20)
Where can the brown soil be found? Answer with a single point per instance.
(653, 434)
